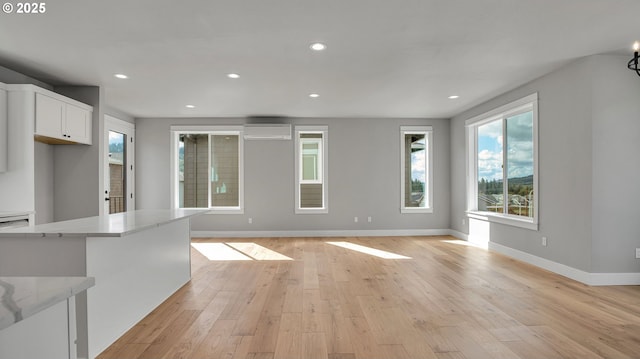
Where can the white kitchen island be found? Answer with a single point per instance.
(138, 259)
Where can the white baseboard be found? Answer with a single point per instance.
(322, 233)
(594, 279)
(459, 235)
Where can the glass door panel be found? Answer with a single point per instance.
(117, 172)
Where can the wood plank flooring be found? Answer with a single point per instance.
(448, 300)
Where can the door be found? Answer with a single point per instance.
(77, 122)
(119, 167)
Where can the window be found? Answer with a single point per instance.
(311, 169)
(503, 164)
(416, 177)
(208, 168)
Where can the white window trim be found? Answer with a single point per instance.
(324, 130)
(525, 104)
(175, 132)
(428, 132)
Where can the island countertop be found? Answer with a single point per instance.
(23, 297)
(113, 225)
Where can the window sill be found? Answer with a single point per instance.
(514, 221)
(226, 211)
(312, 211)
(416, 210)
(234, 210)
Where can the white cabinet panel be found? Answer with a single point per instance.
(61, 122)
(49, 116)
(78, 124)
(44, 335)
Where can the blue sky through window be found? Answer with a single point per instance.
(519, 147)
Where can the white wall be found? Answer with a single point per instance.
(364, 177)
(588, 115)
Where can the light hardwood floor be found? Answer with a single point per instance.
(447, 301)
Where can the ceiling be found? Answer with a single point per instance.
(384, 58)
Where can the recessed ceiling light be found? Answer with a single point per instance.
(190, 106)
(121, 76)
(453, 97)
(314, 95)
(318, 46)
(233, 76)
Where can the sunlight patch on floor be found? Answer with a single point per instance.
(220, 252)
(258, 252)
(238, 252)
(465, 243)
(368, 250)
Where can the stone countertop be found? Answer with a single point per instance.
(22, 297)
(12, 214)
(113, 225)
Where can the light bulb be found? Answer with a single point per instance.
(318, 46)
(636, 46)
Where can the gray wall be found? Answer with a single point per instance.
(78, 174)
(616, 165)
(9, 76)
(44, 175)
(588, 116)
(364, 177)
(114, 112)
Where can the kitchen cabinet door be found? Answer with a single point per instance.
(78, 124)
(49, 117)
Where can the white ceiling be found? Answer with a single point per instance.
(384, 58)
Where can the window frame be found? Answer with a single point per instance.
(428, 132)
(324, 168)
(320, 170)
(176, 131)
(520, 106)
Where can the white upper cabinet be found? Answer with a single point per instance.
(61, 122)
(78, 124)
(49, 117)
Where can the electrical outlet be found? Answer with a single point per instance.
(250, 220)
(464, 221)
(544, 241)
(369, 219)
(638, 253)
(355, 219)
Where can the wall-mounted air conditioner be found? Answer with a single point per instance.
(261, 131)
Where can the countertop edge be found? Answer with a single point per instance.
(35, 232)
(52, 299)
